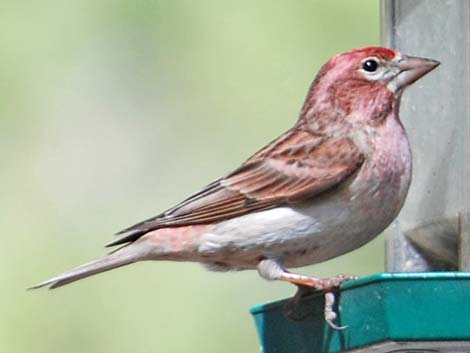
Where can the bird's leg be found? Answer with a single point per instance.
(271, 270)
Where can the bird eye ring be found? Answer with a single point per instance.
(370, 65)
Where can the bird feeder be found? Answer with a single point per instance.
(399, 312)
(423, 304)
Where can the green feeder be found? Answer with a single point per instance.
(386, 312)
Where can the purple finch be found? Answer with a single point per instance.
(327, 186)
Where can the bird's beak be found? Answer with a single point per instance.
(411, 68)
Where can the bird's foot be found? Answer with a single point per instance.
(330, 313)
(306, 285)
(326, 284)
(333, 283)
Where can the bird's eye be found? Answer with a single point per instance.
(370, 65)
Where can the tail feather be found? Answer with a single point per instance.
(121, 257)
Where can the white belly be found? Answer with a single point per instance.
(297, 235)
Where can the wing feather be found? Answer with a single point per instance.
(293, 168)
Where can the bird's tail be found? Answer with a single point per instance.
(129, 254)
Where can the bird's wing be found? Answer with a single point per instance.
(295, 167)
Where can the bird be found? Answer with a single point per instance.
(325, 187)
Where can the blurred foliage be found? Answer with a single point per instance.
(112, 111)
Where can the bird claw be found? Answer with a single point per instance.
(329, 312)
(329, 286)
(333, 283)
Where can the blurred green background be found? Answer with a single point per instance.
(111, 112)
